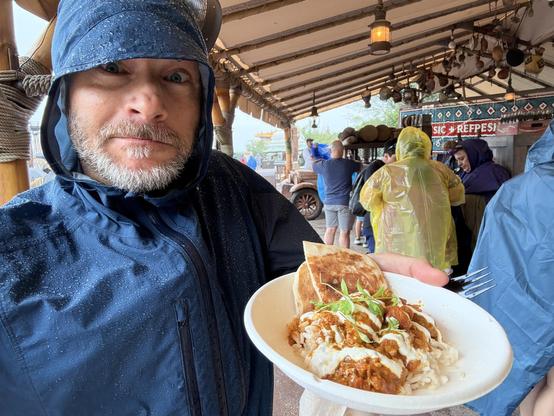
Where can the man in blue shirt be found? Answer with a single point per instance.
(337, 175)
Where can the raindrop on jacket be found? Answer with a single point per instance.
(516, 243)
(410, 201)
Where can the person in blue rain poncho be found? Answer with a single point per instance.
(123, 281)
(516, 243)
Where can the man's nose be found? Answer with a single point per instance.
(147, 104)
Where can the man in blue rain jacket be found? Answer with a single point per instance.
(124, 280)
(516, 242)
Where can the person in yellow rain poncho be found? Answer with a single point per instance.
(409, 201)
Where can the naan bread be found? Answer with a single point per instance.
(303, 289)
(329, 265)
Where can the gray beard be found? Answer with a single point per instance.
(96, 161)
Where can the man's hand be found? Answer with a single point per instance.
(411, 266)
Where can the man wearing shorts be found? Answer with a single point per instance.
(337, 175)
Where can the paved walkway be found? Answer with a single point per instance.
(287, 393)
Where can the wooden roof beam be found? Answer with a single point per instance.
(328, 102)
(313, 27)
(357, 81)
(493, 81)
(251, 94)
(253, 8)
(387, 66)
(532, 79)
(339, 96)
(363, 84)
(480, 92)
(463, 25)
(384, 59)
(356, 55)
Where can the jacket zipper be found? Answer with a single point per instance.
(190, 249)
(187, 354)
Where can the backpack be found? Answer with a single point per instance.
(354, 203)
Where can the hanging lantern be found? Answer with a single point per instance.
(497, 53)
(534, 63)
(452, 44)
(510, 93)
(380, 32)
(385, 93)
(366, 96)
(314, 114)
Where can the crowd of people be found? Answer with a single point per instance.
(426, 209)
(407, 203)
(124, 279)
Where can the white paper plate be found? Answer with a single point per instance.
(485, 353)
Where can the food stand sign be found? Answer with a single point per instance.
(485, 127)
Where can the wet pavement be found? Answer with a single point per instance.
(287, 393)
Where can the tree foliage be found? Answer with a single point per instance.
(380, 112)
(319, 136)
(257, 146)
(353, 115)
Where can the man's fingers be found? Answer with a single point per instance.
(411, 266)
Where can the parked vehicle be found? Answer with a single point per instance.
(301, 189)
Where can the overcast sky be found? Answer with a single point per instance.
(28, 28)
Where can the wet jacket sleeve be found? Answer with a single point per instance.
(17, 396)
(284, 229)
(516, 243)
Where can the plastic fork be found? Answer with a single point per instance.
(473, 283)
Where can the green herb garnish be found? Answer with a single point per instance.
(392, 324)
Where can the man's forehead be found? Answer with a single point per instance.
(158, 61)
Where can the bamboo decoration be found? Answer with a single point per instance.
(41, 50)
(45, 9)
(217, 114)
(288, 150)
(223, 112)
(14, 177)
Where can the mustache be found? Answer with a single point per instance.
(152, 132)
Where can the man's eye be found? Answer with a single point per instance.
(178, 77)
(111, 67)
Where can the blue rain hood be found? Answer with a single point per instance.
(478, 152)
(96, 32)
(485, 176)
(516, 243)
(542, 150)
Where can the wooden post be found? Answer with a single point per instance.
(45, 9)
(223, 112)
(217, 115)
(41, 50)
(294, 145)
(14, 177)
(288, 150)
